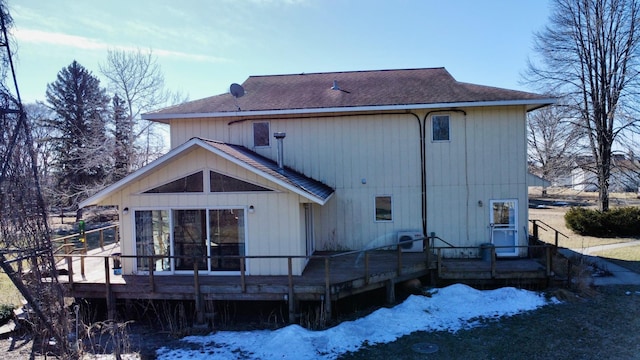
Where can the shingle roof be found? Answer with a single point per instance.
(358, 89)
(269, 167)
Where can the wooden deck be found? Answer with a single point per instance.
(327, 277)
(347, 275)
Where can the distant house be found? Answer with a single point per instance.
(294, 164)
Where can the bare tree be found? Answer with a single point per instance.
(26, 253)
(553, 143)
(589, 54)
(137, 80)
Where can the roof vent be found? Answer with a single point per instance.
(280, 137)
(335, 85)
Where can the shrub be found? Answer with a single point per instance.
(624, 222)
(6, 313)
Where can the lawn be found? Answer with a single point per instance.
(554, 217)
(628, 257)
(604, 326)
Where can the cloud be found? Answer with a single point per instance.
(85, 43)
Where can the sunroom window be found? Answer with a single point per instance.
(190, 183)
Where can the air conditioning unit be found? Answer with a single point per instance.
(410, 241)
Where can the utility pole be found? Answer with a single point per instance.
(26, 254)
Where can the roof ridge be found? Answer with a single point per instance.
(349, 72)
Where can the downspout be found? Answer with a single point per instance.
(423, 179)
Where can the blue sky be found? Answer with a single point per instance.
(204, 46)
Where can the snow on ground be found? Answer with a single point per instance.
(451, 309)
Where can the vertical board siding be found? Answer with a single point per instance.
(486, 158)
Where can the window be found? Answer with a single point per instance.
(192, 236)
(261, 134)
(191, 183)
(223, 183)
(383, 208)
(152, 238)
(440, 127)
(226, 231)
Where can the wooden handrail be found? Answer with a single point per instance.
(536, 235)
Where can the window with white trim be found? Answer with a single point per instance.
(383, 208)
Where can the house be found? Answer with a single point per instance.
(295, 164)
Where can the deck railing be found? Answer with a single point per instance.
(368, 270)
(69, 244)
(326, 259)
(536, 227)
(544, 250)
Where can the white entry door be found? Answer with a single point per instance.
(504, 226)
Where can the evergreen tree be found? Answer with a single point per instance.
(124, 147)
(80, 107)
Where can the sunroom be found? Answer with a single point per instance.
(205, 204)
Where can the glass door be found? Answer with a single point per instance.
(190, 239)
(504, 226)
(152, 238)
(226, 231)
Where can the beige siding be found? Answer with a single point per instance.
(485, 160)
(273, 229)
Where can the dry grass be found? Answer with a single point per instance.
(628, 257)
(554, 216)
(9, 295)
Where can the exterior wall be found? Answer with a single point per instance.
(341, 151)
(273, 229)
(367, 155)
(484, 160)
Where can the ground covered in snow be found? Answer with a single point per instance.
(452, 308)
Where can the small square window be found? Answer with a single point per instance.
(440, 127)
(261, 134)
(383, 208)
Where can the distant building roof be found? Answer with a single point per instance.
(350, 91)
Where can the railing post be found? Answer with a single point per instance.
(399, 271)
(327, 289)
(101, 239)
(70, 266)
(243, 283)
(439, 261)
(290, 295)
(548, 259)
(556, 242)
(198, 296)
(493, 261)
(82, 273)
(110, 300)
(428, 249)
(152, 283)
(366, 268)
(535, 230)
